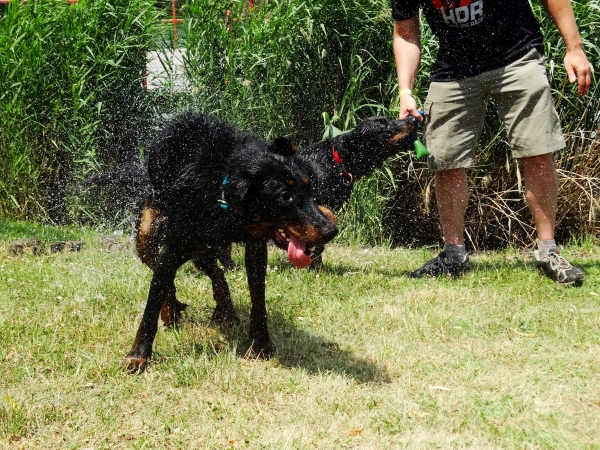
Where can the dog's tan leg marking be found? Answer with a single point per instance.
(150, 235)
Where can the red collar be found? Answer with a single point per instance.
(345, 174)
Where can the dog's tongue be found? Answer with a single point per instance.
(296, 252)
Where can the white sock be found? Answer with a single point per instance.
(456, 253)
(545, 247)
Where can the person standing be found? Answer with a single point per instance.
(488, 49)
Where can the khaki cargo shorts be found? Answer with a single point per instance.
(455, 112)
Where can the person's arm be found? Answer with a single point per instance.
(407, 52)
(576, 63)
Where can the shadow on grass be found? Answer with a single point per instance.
(296, 347)
(340, 269)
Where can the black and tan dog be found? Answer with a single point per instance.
(334, 165)
(337, 163)
(213, 185)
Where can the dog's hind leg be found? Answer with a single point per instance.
(224, 255)
(161, 287)
(256, 269)
(151, 228)
(224, 312)
(151, 232)
(171, 309)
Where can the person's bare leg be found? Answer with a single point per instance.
(541, 193)
(452, 194)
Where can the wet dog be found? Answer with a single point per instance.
(337, 163)
(213, 185)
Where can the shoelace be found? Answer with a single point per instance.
(556, 258)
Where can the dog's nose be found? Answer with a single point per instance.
(328, 232)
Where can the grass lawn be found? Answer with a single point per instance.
(367, 358)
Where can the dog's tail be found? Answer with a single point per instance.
(128, 176)
(129, 181)
(134, 176)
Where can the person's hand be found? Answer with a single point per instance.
(408, 106)
(578, 69)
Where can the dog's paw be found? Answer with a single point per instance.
(230, 267)
(261, 350)
(171, 314)
(135, 365)
(226, 318)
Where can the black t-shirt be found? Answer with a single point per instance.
(475, 35)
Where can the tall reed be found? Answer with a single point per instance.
(70, 77)
(277, 67)
(71, 102)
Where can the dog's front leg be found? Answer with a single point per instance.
(161, 287)
(256, 269)
(317, 258)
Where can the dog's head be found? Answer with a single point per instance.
(373, 141)
(275, 196)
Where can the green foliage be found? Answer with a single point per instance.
(361, 220)
(277, 67)
(11, 230)
(71, 103)
(69, 79)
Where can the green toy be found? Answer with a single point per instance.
(420, 149)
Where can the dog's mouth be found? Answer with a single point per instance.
(299, 241)
(400, 141)
(407, 135)
(297, 252)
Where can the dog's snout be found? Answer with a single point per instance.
(327, 213)
(329, 231)
(410, 121)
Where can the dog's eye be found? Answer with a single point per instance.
(286, 198)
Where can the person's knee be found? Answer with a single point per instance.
(450, 177)
(544, 161)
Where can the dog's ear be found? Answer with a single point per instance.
(238, 186)
(256, 174)
(282, 146)
(243, 181)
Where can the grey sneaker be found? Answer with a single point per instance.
(441, 265)
(557, 268)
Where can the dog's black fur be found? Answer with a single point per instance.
(213, 185)
(360, 152)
